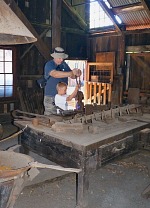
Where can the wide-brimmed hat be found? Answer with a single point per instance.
(59, 53)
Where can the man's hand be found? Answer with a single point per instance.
(77, 72)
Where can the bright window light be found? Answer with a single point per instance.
(98, 17)
(118, 19)
(6, 73)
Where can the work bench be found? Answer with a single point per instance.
(98, 143)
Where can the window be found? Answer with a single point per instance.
(6, 73)
(98, 17)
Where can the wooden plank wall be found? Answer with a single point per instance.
(138, 76)
(105, 44)
(30, 61)
(109, 59)
(139, 63)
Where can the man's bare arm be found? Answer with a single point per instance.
(70, 97)
(60, 74)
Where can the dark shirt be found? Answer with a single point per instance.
(50, 88)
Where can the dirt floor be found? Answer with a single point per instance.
(118, 184)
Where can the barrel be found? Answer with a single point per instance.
(14, 172)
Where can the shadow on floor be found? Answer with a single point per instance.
(118, 184)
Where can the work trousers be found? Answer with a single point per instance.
(49, 106)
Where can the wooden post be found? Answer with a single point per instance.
(109, 93)
(95, 94)
(90, 97)
(104, 95)
(82, 186)
(56, 23)
(85, 92)
(122, 65)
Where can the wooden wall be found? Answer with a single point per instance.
(31, 62)
(139, 64)
(139, 71)
(105, 43)
(73, 39)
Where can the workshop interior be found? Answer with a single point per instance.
(108, 119)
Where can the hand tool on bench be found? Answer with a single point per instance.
(42, 119)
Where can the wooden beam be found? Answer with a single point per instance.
(73, 30)
(56, 23)
(110, 15)
(100, 64)
(41, 46)
(139, 49)
(29, 48)
(122, 51)
(75, 16)
(138, 31)
(110, 32)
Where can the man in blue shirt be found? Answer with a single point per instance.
(56, 71)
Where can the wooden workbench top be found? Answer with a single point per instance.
(107, 132)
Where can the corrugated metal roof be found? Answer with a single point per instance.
(116, 3)
(135, 18)
(133, 13)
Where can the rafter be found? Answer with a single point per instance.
(74, 14)
(41, 46)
